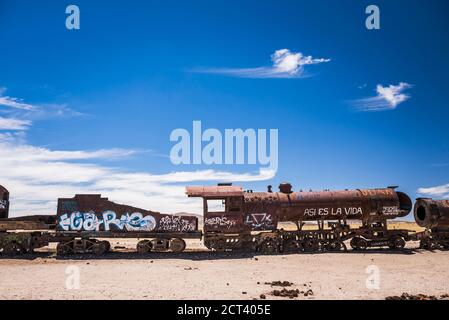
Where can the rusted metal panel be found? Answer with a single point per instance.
(221, 221)
(4, 203)
(431, 213)
(214, 191)
(91, 212)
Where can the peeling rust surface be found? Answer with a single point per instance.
(214, 191)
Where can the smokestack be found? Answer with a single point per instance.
(285, 187)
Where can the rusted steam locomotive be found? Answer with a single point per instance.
(250, 220)
(234, 219)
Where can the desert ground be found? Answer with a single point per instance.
(199, 274)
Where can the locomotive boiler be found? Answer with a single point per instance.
(431, 213)
(434, 216)
(231, 216)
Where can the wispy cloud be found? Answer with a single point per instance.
(14, 124)
(21, 115)
(387, 98)
(436, 192)
(439, 164)
(14, 102)
(285, 64)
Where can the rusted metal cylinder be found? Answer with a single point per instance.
(369, 205)
(4, 203)
(431, 213)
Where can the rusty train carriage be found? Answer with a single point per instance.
(249, 220)
(83, 218)
(233, 220)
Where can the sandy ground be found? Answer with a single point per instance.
(197, 274)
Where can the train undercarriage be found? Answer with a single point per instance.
(17, 243)
(331, 239)
(435, 240)
(335, 238)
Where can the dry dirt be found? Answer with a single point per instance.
(197, 274)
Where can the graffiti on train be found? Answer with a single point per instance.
(3, 204)
(312, 212)
(259, 221)
(390, 211)
(78, 221)
(174, 223)
(219, 222)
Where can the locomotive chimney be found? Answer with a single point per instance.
(270, 189)
(285, 187)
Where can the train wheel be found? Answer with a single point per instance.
(63, 249)
(397, 243)
(219, 245)
(268, 246)
(177, 245)
(362, 244)
(312, 245)
(291, 246)
(107, 245)
(425, 244)
(12, 249)
(354, 242)
(247, 243)
(337, 246)
(144, 246)
(99, 248)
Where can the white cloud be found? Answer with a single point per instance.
(286, 64)
(387, 98)
(21, 114)
(14, 124)
(37, 176)
(15, 103)
(437, 192)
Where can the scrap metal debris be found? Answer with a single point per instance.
(407, 296)
(280, 283)
(288, 293)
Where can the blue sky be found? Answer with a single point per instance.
(106, 97)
